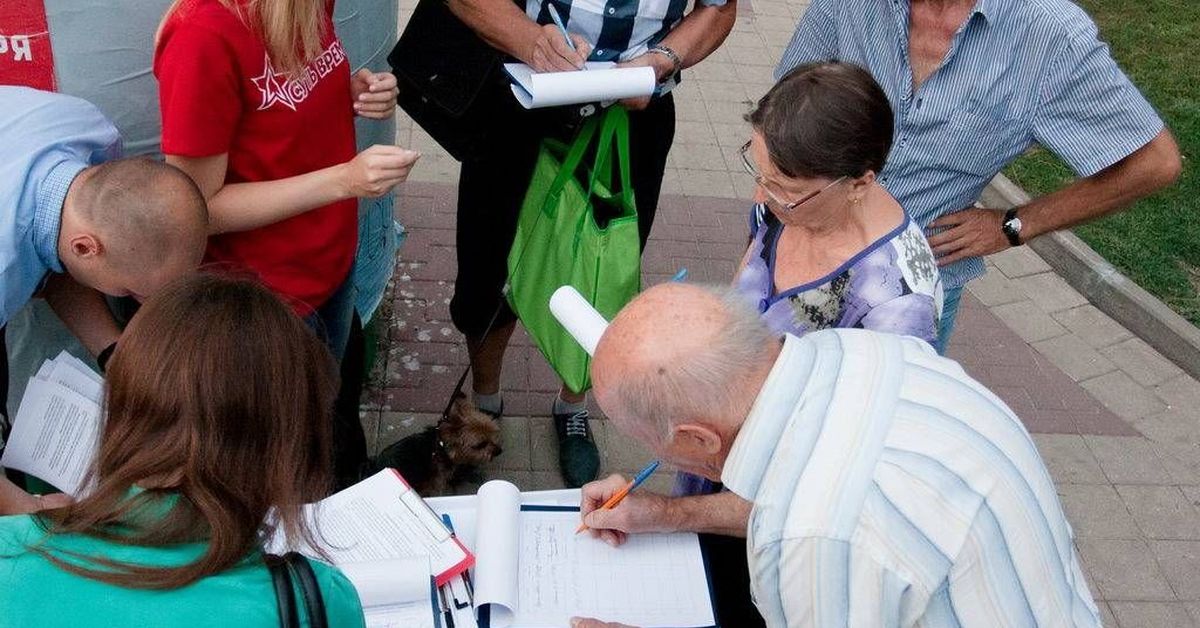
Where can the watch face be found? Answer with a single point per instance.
(1013, 225)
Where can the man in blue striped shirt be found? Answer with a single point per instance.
(973, 84)
(887, 487)
(663, 34)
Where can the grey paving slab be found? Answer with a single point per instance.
(1069, 459)
(1145, 365)
(1097, 511)
(1182, 391)
(1019, 261)
(1029, 321)
(1180, 563)
(1128, 460)
(1050, 292)
(1152, 615)
(1092, 326)
(1162, 512)
(995, 289)
(1125, 397)
(1078, 360)
(1124, 569)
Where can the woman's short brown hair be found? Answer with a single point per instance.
(220, 390)
(826, 119)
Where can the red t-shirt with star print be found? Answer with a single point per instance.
(220, 93)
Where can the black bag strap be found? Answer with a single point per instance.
(314, 604)
(285, 599)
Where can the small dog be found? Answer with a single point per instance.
(440, 456)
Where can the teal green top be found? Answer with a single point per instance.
(34, 592)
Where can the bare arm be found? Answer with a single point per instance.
(246, 206)
(643, 511)
(83, 311)
(505, 27)
(14, 501)
(701, 32)
(975, 231)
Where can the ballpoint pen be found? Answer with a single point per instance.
(619, 495)
(562, 28)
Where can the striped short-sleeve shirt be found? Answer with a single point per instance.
(891, 489)
(1018, 72)
(618, 30)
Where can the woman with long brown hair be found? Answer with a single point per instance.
(216, 419)
(258, 107)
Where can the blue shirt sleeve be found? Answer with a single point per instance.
(815, 38)
(1090, 114)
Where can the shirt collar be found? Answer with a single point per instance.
(47, 217)
(769, 418)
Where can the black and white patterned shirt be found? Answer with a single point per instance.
(618, 30)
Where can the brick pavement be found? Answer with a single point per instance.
(1117, 424)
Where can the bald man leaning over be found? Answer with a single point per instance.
(885, 486)
(75, 223)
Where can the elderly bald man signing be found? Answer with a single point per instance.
(884, 486)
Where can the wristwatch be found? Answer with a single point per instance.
(1012, 227)
(676, 62)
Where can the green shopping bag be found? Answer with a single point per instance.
(560, 243)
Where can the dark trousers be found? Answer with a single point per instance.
(730, 574)
(492, 185)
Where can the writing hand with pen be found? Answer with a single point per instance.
(556, 50)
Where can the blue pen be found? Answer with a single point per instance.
(561, 27)
(616, 498)
(681, 275)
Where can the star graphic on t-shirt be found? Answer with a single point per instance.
(272, 88)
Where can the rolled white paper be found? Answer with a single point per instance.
(581, 320)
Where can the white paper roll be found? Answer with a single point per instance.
(581, 320)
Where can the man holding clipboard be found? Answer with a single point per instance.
(495, 175)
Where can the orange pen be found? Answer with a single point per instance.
(619, 495)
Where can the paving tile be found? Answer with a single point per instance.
(1181, 391)
(1069, 459)
(1029, 321)
(1180, 563)
(1152, 614)
(1050, 292)
(701, 183)
(995, 289)
(1019, 261)
(1097, 511)
(1128, 460)
(1106, 614)
(1125, 569)
(1125, 397)
(1175, 424)
(394, 426)
(1074, 357)
(514, 433)
(543, 443)
(1145, 365)
(1162, 512)
(1092, 326)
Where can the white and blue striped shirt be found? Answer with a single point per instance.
(1018, 72)
(618, 30)
(891, 489)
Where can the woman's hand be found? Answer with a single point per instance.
(14, 501)
(375, 171)
(374, 94)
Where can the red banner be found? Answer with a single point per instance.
(25, 55)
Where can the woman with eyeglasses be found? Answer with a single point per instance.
(829, 246)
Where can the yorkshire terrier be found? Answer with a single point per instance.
(448, 453)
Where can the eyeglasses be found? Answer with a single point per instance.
(762, 183)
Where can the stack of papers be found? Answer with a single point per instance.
(600, 81)
(57, 428)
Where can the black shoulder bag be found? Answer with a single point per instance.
(283, 569)
(442, 67)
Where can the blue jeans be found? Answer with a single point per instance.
(949, 316)
(331, 321)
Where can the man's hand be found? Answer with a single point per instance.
(14, 501)
(640, 511)
(374, 94)
(584, 622)
(552, 54)
(662, 67)
(967, 233)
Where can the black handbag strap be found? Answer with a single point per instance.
(285, 599)
(314, 604)
(283, 569)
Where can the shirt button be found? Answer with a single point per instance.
(600, 51)
(612, 10)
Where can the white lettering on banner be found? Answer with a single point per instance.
(18, 45)
(290, 91)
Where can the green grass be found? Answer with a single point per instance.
(1156, 243)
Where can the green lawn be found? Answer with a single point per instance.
(1157, 242)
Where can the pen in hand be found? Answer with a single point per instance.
(620, 495)
(562, 28)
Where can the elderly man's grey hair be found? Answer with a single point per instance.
(704, 383)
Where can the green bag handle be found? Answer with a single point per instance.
(574, 156)
(616, 127)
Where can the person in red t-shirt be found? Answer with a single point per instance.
(258, 107)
